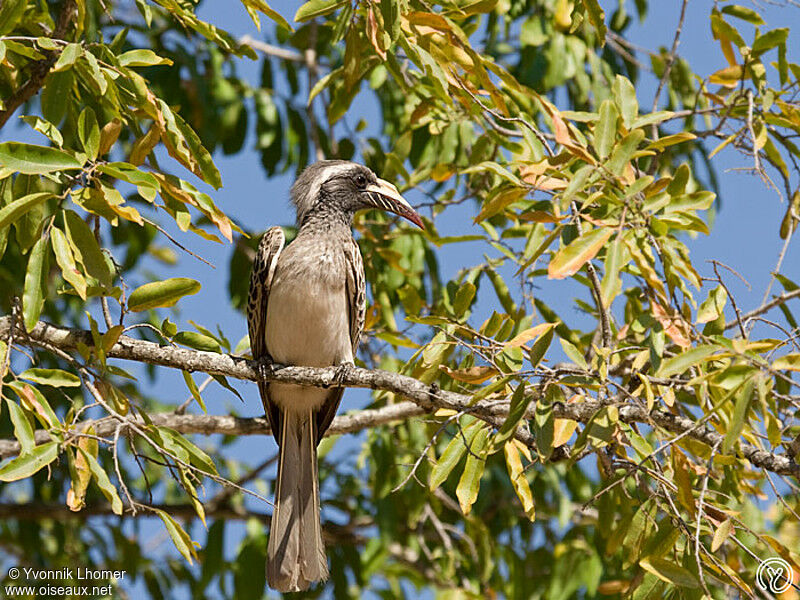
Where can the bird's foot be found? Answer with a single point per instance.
(265, 368)
(340, 374)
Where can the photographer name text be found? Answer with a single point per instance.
(68, 574)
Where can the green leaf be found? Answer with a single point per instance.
(129, 173)
(713, 306)
(501, 289)
(544, 422)
(453, 452)
(568, 260)
(319, 85)
(605, 131)
(11, 212)
(35, 160)
(519, 404)
(624, 151)
(683, 361)
(23, 430)
(497, 169)
(670, 140)
(51, 377)
(187, 377)
(198, 341)
(56, 95)
(69, 55)
(162, 293)
(28, 464)
(142, 58)
(611, 285)
(464, 297)
(540, 346)
(574, 354)
(317, 8)
(11, 12)
(32, 399)
(206, 169)
(743, 399)
(669, 572)
(197, 457)
(470, 482)
(45, 127)
(66, 260)
(180, 538)
(89, 132)
(625, 96)
(652, 119)
(35, 285)
(744, 13)
(596, 18)
(87, 248)
(769, 40)
(103, 482)
(265, 8)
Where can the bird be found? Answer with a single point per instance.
(306, 307)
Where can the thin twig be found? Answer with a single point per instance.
(766, 307)
(270, 50)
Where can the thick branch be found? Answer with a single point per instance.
(428, 398)
(229, 425)
(36, 511)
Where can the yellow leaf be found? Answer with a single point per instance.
(517, 476)
(528, 335)
(562, 431)
(729, 76)
(472, 375)
(571, 258)
(721, 534)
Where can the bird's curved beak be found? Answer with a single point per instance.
(384, 195)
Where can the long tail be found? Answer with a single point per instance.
(296, 554)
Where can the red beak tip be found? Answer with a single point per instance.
(417, 220)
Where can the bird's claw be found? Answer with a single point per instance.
(340, 374)
(265, 368)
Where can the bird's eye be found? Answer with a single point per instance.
(361, 181)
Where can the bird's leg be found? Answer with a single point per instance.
(340, 373)
(265, 368)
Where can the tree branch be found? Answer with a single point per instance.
(226, 424)
(428, 398)
(35, 511)
(766, 307)
(271, 50)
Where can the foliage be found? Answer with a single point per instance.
(530, 115)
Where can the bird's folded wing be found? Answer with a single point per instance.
(356, 291)
(264, 265)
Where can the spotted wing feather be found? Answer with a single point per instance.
(269, 250)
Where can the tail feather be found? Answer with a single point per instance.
(296, 554)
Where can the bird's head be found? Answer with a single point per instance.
(348, 187)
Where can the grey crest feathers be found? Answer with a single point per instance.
(306, 190)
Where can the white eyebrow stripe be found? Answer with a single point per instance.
(324, 175)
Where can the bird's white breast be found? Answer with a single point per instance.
(307, 319)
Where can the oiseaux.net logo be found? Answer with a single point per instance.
(774, 575)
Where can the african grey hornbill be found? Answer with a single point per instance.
(306, 307)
